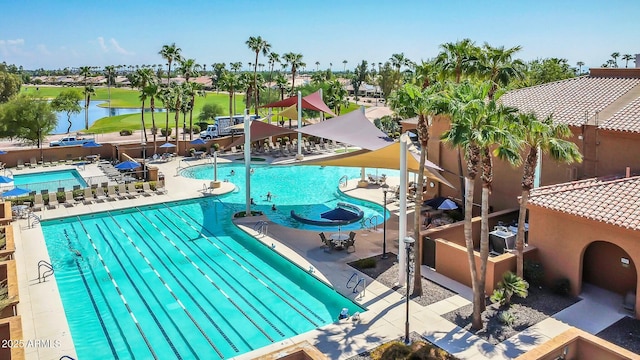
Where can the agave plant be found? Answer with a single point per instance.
(510, 285)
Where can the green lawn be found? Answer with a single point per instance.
(128, 98)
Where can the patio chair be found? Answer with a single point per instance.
(328, 245)
(37, 202)
(122, 192)
(132, 191)
(88, 196)
(53, 201)
(33, 163)
(100, 195)
(69, 200)
(111, 193)
(146, 189)
(20, 164)
(351, 242)
(160, 189)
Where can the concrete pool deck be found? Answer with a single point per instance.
(44, 317)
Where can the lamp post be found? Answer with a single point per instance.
(408, 244)
(385, 189)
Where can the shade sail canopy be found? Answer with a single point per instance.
(385, 158)
(309, 102)
(353, 128)
(261, 130)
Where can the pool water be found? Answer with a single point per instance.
(182, 282)
(49, 180)
(308, 190)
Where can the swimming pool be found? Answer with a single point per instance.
(182, 282)
(49, 180)
(308, 190)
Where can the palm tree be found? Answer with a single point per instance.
(496, 65)
(626, 58)
(317, 65)
(189, 69)
(477, 124)
(170, 53)
(615, 57)
(295, 60)
(580, 65)
(398, 61)
(539, 136)
(142, 79)
(336, 96)
(458, 58)
(409, 101)
(273, 59)
(257, 45)
(109, 71)
(281, 84)
(229, 82)
(344, 67)
(235, 66)
(152, 92)
(88, 92)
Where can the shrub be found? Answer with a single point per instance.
(395, 350)
(192, 150)
(365, 263)
(506, 318)
(510, 285)
(216, 146)
(163, 131)
(533, 272)
(195, 129)
(126, 132)
(562, 286)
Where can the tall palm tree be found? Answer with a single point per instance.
(497, 65)
(539, 136)
(257, 45)
(409, 101)
(152, 92)
(458, 58)
(142, 78)
(235, 66)
(398, 61)
(189, 69)
(336, 96)
(273, 59)
(626, 58)
(317, 65)
(477, 124)
(229, 82)
(295, 61)
(281, 84)
(85, 71)
(580, 65)
(109, 71)
(170, 53)
(615, 57)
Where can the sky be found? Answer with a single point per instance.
(70, 33)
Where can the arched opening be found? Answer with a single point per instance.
(610, 267)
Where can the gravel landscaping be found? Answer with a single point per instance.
(624, 333)
(412, 335)
(539, 305)
(386, 272)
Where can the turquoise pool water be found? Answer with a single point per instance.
(182, 282)
(308, 190)
(49, 180)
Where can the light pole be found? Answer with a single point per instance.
(408, 244)
(385, 189)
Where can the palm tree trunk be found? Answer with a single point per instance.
(144, 129)
(153, 126)
(487, 179)
(177, 118)
(527, 184)
(191, 117)
(417, 275)
(255, 83)
(86, 111)
(166, 127)
(478, 294)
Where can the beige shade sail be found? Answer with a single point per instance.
(387, 157)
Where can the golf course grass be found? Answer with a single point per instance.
(129, 98)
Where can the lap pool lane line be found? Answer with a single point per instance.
(153, 353)
(206, 314)
(310, 311)
(229, 276)
(215, 348)
(216, 286)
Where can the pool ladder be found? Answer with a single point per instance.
(372, 223)
(48, 271)
(344, 183)
(360, 283)
(262, 227)
(33, 220)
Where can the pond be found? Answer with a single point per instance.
(95, 113)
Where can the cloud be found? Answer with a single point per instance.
(11, 46)
(119, 49)
(103, 46)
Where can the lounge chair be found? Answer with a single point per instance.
(160, 189)
(350, 242)
(146, 189)
(132, 191)
(20, 164)
(111, 193)
(88, 196)
(122, 192)
(68, 199)
(53, 201)
(328, 245)
(37, 202)
(33, 163)
(100, 195)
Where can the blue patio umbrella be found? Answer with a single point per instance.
(441, 203)
(15, 192)
(167, 145)
(128, 165)
(5, 179)
(2, 152)
(340, 215)
(198, 141)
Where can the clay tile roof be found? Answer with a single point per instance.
(615, 202)
(572, 101)
(626, 119)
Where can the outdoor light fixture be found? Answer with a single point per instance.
(408, 244)
(385, 190)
